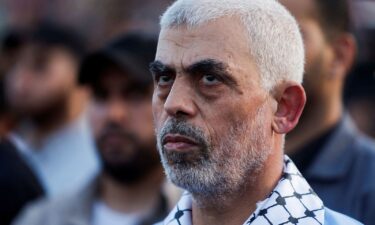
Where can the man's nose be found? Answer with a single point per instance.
(117, 111)
(180, 100)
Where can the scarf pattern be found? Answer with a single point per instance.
(291, 202)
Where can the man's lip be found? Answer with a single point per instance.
(180, 143)
(177, 138)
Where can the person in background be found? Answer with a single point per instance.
(227, 89)
(359, 94)
(336, 159)
(18, 183)
(129, 189)
(12, 43)
(360, 97)
(42, 89)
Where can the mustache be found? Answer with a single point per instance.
(181, 127)
(115, 129)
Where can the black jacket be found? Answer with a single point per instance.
(18, 184)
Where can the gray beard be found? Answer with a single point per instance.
(223, 171)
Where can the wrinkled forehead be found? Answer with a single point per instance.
(224, 40)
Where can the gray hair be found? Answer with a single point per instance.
(274, 38)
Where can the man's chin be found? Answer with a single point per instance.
(186, 159)
(195, 180)
(125, 171)
(117, 152)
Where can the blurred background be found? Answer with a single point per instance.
(360, 85)
(95, 23)
(46, 143)
(99, 21)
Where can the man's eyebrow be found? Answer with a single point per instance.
(213, 67)
(159, 67)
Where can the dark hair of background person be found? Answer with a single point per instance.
(334, 17)
(52, 35)
(131, 53)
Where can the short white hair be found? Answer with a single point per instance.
(275, 41)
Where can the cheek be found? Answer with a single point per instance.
(61, 81)
(221, 121)
(13, 86)
(313, 54)
(157, 111)
(314, 43)
(97, 116)
(64, 72)
(141, 121)
(49, 87)
(217, 119)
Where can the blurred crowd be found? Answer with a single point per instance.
(77, 141)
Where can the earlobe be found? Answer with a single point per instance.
(291, 100)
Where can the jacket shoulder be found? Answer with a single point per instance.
(51, 211)
(335, 218)
(364, 159)
(34, 213)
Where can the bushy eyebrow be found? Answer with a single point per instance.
(159, 67)
(205, 66)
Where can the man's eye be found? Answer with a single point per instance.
(165, 80)
(210, 80)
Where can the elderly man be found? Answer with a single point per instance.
(335, 158)
(227, 88)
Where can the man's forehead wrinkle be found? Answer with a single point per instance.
(176, 42)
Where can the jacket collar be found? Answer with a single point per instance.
(80, 210)
(335, 159)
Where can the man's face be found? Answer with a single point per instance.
(317, 49)
(43, 78)
(121, 117)
(212, 118)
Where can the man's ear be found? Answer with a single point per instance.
(345, 49)
(291, 99)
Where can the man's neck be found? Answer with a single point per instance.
(317, 118)
(139, 198)
(239, 206)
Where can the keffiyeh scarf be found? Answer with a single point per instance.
(291, 202)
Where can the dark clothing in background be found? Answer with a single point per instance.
(76, 208)
(342, 171)
(18, 184)
(306, 156)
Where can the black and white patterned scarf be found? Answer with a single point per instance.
(291, 202)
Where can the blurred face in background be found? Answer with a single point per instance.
(363, 111)
(319, 52)
(121, 117)
(42, 79)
